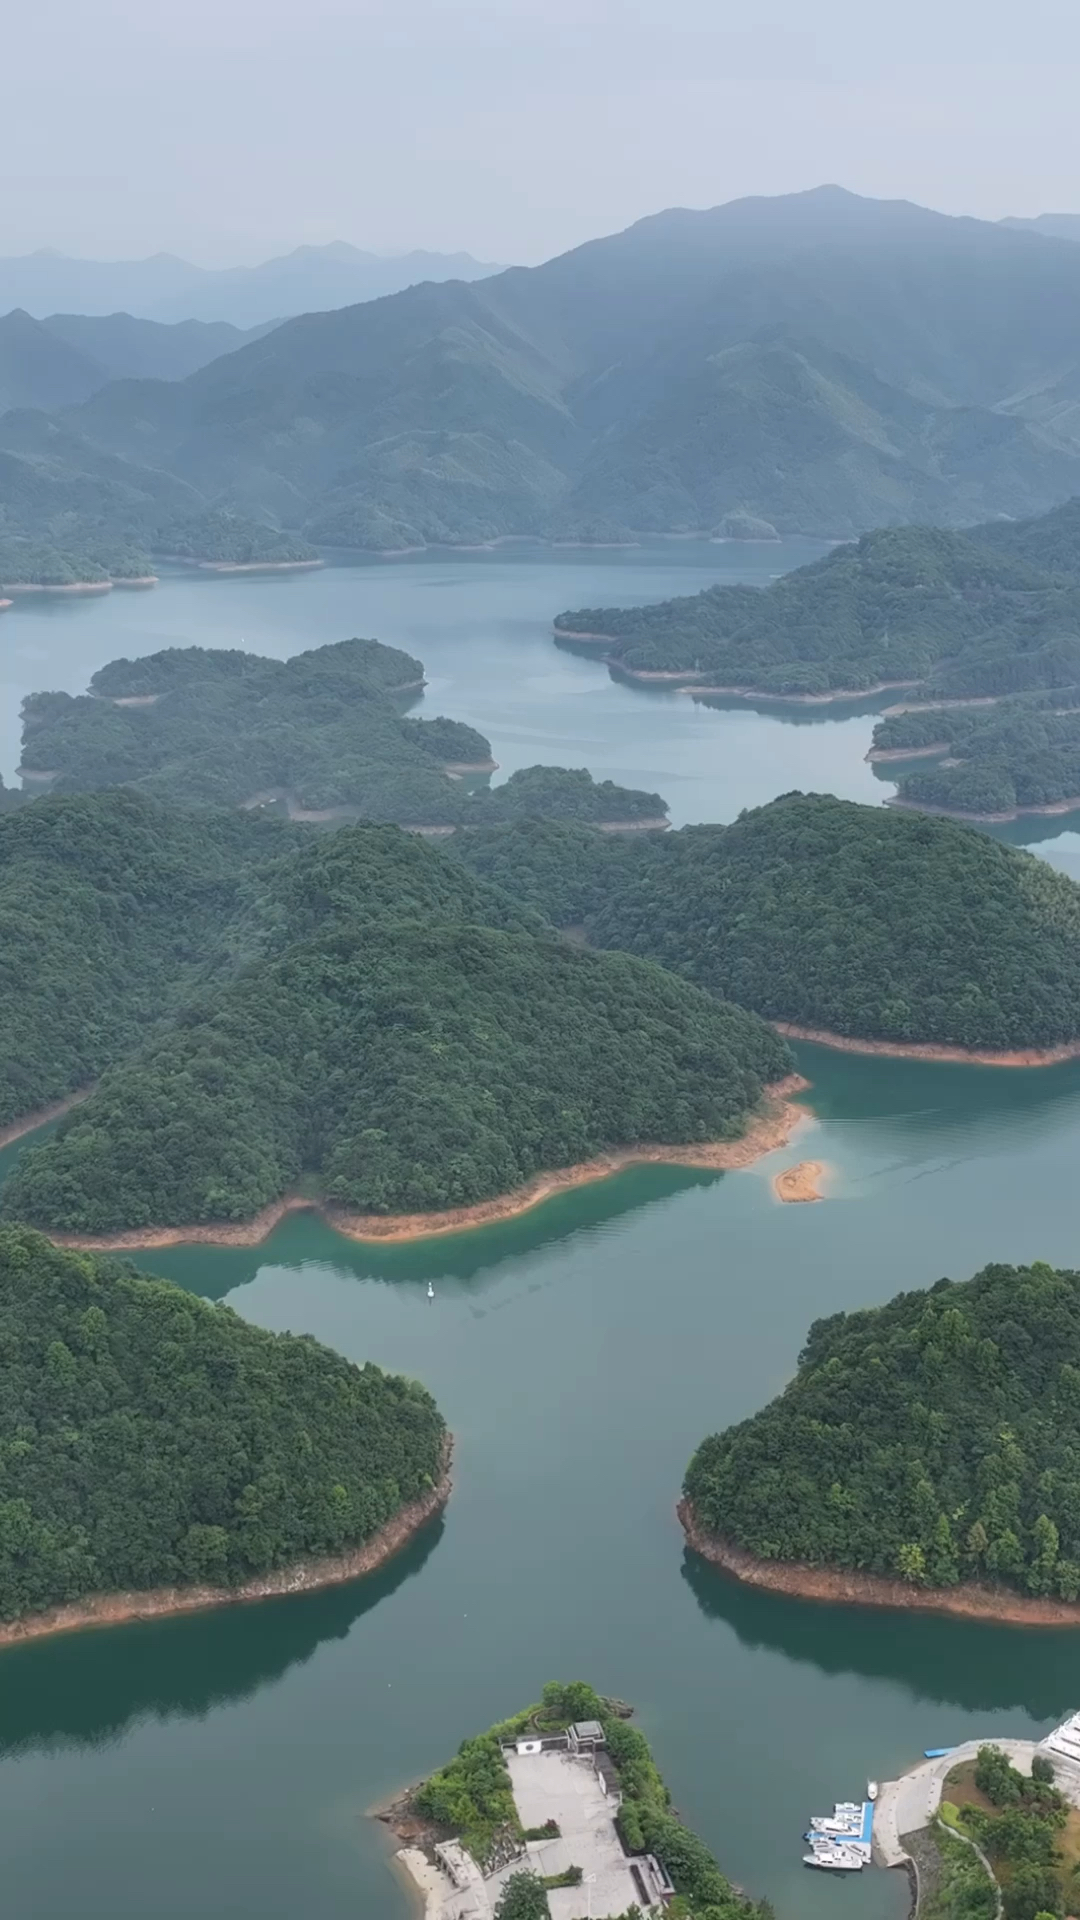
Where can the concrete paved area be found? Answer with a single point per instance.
(565, 1788)
(910, 1803)
(547, 1786)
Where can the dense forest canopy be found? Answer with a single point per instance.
(112, 907)
(404, 1066)
(868, 923)
(150, 1439)
(936, 1439)
(323, 734)
(863, 922)
(957, 613)
(1015, 755)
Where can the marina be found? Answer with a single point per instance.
(842, 1842)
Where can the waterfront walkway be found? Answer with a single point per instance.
(911, 1803)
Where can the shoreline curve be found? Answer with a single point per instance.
(30, 1122)
(1048, 809)
(930, 1050)
(303, 1576)
(769, 1130)
(841, 1586)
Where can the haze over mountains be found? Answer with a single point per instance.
(1055, 226)
(62, 360)
(820, 361)
(164, 288)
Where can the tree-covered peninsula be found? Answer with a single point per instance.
(472, 1799)
(932, 1441)
(399, 1067)
(152, 1440)
(355, 1011)
(864, 923)
(1019, 755)
(324, 736)
(870, 925)
(954, 613)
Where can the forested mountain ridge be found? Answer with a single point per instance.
(152, 1440)
(63, 359)
(111, 908)
(933, 1439)
(59, 491)
(871, 925)
(987, 612)
(821, 362)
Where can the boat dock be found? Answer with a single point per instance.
(841, 1842)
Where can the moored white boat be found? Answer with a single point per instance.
(833, 1859)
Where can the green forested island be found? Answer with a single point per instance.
(322, 734)
(868, 924)
(472, 1799)
(1016, 755)
(151, 1439)
(934, 1440)
(956, 614)
(356, 1009)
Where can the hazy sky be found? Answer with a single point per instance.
(229, 129)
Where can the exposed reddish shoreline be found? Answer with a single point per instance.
(772, 1128)
(839, 1586)
(30, 1122)
(914, 1050)
(305, 1576)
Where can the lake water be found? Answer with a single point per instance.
(221, 1765)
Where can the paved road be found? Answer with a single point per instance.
(910, 1803)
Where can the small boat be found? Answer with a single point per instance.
(935, 1753)
(430, 1291)
(871, 1789)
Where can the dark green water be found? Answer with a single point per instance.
(220, 1765)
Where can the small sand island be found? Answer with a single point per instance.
(801, 1182)
(247, 1406)
(562, 1797)
(987, 1368)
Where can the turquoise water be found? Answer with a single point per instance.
(221, 1765)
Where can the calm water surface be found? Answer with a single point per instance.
(221, 1765)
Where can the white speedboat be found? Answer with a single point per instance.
(871, 1789)
(833, 1859)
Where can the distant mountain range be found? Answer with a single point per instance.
(60, 361)
(819, 362)
(308, 280)
(1055, 226)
